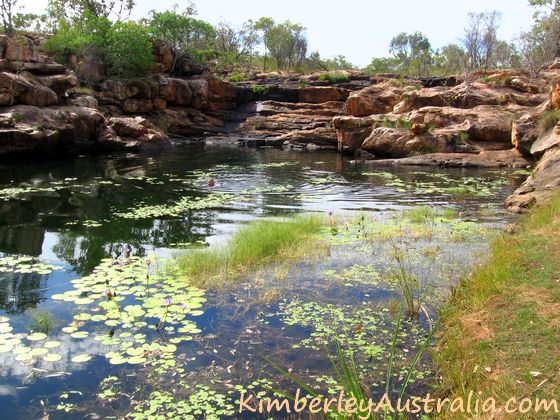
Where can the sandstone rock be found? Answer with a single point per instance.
(524, 132)
(19, 49)
(86, 101)
(222, 95)
(137, 106)
(59, 83)
(352, 131)
(555, 94)
(395, 142)
(320, 94)
(466, 96)
(540, 186)
(138, 132)
(377, 99)
(17, 89)
(186, 121)
(317, 138)
(187, 92)
(163, 57)
(486, 159)
(546, 141)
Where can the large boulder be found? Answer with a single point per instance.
(546, 141)
(524, 132)
(18, 89)
(540, 186)
(186, 92)
(139, 132)
(376, 99)
(352, 131)
(59, 83)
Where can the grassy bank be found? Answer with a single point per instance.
(501, 328)
(259, 243)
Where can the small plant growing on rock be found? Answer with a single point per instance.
(464, 136)
(403, 123)
(388, 123)
(334, 77)
(237, 77)
(259, 89)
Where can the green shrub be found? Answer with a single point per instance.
(548, 120)
(259, 89)
(129, 50)
(334, 77)
(237, 77)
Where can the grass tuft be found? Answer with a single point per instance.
(259, 243)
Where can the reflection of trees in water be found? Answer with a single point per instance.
(19, 292)
(84, 248)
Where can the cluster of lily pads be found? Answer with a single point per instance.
(442, 183)
(25, 265)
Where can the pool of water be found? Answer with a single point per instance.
(73, 229)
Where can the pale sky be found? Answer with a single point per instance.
(358, 29)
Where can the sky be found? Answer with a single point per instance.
(357, 29)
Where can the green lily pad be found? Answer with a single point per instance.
(36, 336)
(51, 344)
(81, 358)
(52, 357)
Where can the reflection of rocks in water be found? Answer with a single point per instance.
(19, 292)
(26, 240)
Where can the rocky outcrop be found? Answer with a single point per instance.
(487, 159)
(541, 185)
(377, 99)
(30, 130)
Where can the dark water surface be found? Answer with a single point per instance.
(60, 220)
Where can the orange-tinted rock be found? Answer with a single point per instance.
(377, 99)
(320, 94)
(555, 94)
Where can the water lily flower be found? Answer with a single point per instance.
(183, 306)
(108, 293)
(148, 262)
(167, 301)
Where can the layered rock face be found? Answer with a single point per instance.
(39, 116)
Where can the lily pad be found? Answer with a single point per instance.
(36, 336)
(81, 358)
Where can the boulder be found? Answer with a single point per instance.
(137, 106)
(86, 101)
(540, 186)
(352, 131)
(524, 132)
(59, 83)
(163, 57)
(222, 95)
(19, 49)
(186, 92)
(395, 142)
(138, 132)
(546, 141)
(17, 89)
(376, 99)
(555, 94)
(320, 94)
(186, 121)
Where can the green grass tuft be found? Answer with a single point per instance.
(259, 243)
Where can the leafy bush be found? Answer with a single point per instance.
(334, 77)
(402, 123)
(259, 89)
(237, 77)
(129, 50)
(85, 36)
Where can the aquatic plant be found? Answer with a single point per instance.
(258, 243)
(407, 281)
(42, 322)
